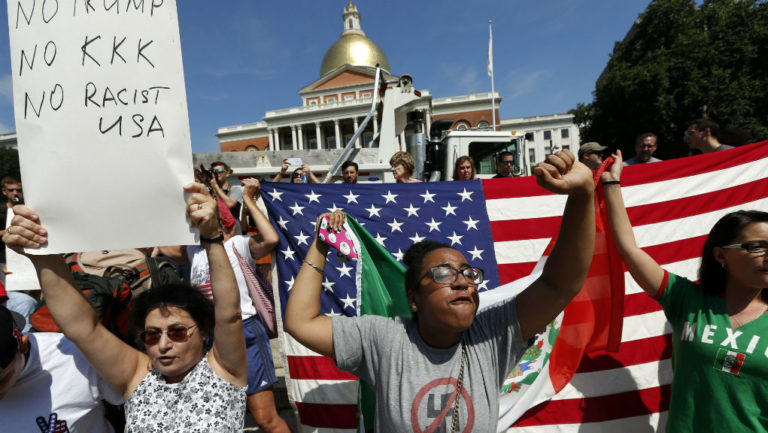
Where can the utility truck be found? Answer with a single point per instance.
(402, 128)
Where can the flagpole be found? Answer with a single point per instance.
(490, 72)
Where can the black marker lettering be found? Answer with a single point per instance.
(84, 48)
(120, 96)
(137, 119)
(28, 19)
(141, 52)
(152, 127)
(113, 5)
(118, 123)
(25, 59)
(108, 97)
(136, 6)
(115, 47)
(155, 5)
(53, 14)
(90, 92)
(28, 102)
(52, 57)
(57, 89)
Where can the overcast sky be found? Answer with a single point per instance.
(244, 57)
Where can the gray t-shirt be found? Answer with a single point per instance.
(415, 384)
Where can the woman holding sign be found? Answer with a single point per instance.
(443, 368)
(175, 385)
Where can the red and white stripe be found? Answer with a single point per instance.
(672, 205)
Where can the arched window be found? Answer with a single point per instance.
(462, 127)
(483, 125)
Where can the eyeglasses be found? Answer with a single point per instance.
(689, 132)
(759, 248)
(444, 274)
(176, 333)
(219, 170)
(507, 162)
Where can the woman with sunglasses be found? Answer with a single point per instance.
(175, 385)
(719, 325)
(417, 366)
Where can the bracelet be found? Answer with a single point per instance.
(611, 182)
(314, 267)
(218, 238)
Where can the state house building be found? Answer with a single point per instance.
(333, 106)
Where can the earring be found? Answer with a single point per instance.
(722, 265)
(413, 307)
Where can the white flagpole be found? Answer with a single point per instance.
(490, 73)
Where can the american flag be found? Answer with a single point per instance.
(503, 226)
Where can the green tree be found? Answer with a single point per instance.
(680, 62)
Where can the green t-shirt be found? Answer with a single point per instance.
(720, 375)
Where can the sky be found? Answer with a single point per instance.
(245, 57)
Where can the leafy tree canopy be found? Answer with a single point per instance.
(680, 62)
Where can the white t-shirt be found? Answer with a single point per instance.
(200, 276)
(57, 385)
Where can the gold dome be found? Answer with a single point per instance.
(353, 49)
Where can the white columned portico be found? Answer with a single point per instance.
(277, 138)
(300, 133)
(319, 136)
(357, 141)
(338, 133)
(294, 143)
(270, 131)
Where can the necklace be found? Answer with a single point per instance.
(738, 322)
(455, 417)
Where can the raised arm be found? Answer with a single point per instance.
(302, 315)
(568, 263)
(283, 169)
(266, 240)
(120, 365)
(227, 357)
(310, 176)
(643, 267)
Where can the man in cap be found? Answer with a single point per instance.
(46, 384)
(591, 154)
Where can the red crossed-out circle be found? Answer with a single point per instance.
(466, 401)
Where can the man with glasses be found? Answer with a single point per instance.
(591, 154)
(645, 145)
(505, 164)
(702, 135)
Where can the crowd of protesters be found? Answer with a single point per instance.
(197, 353)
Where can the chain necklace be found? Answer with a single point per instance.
(455, 417)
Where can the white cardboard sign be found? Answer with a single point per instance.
(22, 274)
(101, 121)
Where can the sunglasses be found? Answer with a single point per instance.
(219, 170)
(176, 333)
(507, 162)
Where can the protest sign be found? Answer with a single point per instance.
(101, 121)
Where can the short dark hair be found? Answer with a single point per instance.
(642, 137)
(8, 180)
(712, 275)
(226, 166)
(702, 124)
(181, 296)
(501, 156)
(413, 259)
(349, 164)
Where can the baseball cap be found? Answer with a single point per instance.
(11, 324)
(591, 146)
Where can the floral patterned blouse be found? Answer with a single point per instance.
(201, 402)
